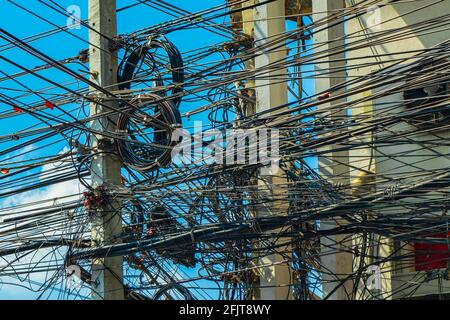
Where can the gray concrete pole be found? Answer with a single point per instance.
(106, 272)
(333, 166)
(270, 92)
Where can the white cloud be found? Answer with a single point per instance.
(56, 195)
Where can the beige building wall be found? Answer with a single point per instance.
(379, 163)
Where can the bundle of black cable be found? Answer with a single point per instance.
(145, 131)
(132, 73)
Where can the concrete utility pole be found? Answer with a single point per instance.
(271, 91)
(106, 272)
(333, 165)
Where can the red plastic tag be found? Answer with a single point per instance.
(49, 105)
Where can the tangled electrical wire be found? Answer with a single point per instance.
(362, 170)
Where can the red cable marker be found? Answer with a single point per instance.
(49, 105)
(325, 96)
(4, 171)
(17, 109)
